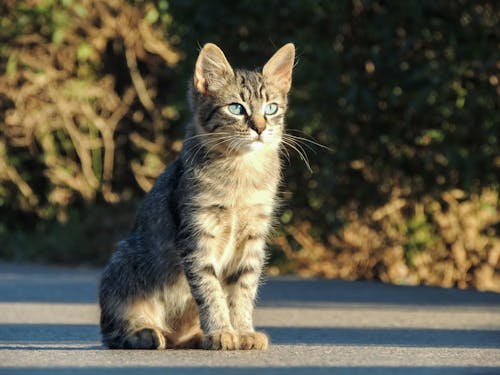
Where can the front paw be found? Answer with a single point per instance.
(253, 340)
(221, 340)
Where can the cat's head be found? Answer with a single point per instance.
(239, 111)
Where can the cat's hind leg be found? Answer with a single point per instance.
(145, 319)
(192, 341)
(137, 324)
(186, 331)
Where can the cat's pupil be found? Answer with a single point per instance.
(236, 109)
(270, 109)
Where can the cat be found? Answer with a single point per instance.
(187, 274)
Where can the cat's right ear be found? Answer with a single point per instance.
(212, 69)
(278, 69)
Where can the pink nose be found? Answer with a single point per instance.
(258, 123)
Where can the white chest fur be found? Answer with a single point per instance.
(238, 200)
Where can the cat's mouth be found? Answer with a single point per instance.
(255, 143)
(249, 142)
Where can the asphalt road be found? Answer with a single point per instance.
(48, 325)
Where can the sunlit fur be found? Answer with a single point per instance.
(187, 275)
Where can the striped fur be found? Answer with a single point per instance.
(187, 274)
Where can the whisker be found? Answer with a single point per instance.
(212, 143)
(233, 145)
(299, 146)
(213, 146)
(204, 145)
(308, 140)
(297, 141)
(302, 154)
(205, 135)
(285, 152)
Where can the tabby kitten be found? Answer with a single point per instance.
(187, 275)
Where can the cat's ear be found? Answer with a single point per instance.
(278, 69)
(212, 69)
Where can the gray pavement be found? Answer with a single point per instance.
(49, 315)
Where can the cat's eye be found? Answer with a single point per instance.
(236, 109)
(270, 109)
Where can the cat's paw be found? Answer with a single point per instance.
(221, 340)
(146, 338)
(253, 340)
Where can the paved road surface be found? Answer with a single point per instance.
(48, 325)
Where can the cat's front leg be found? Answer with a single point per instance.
(209, 295)
(242, 287)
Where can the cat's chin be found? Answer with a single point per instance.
(255, 145)
(248, 147)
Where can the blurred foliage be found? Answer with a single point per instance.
(79, 113)
(448, 241)
(92, 107)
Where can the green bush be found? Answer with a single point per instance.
(403, 93)
(80, 119)
(406, 95)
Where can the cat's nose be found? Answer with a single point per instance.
(258, 123)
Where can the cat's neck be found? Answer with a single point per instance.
(234, 179)
(196, 152)
(261, 161)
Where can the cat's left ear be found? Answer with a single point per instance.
(212, 69)
(278, 69)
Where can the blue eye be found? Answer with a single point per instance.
(236, 109)
(271, 109)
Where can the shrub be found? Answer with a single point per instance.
(404, 95)
(80, 117)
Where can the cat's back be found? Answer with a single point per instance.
(157, 215)
(152, 235)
